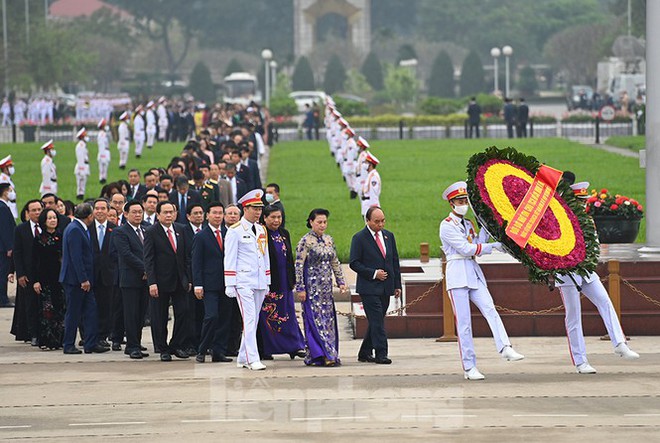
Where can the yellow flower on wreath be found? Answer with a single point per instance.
(494, 183)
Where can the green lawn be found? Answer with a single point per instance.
(632, 142)
(414, 174)
(27, 158)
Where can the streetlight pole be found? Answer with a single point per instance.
(27, 21)
(495, 53)
(4, 40)
(267, 55)
(273, 76)
(507, 51)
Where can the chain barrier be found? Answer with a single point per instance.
(502, 308)
(640, 293)
(400, 309)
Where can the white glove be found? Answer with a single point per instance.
(497, 245)
(231, 291)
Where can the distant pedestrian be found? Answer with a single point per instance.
(523, 118)
(474, 116)
(509, 112)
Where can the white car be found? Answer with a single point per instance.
(303, 98)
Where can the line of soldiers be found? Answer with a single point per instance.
(351, 153)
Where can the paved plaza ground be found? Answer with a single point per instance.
(55, 397)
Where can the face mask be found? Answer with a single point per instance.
(462, 209)
(270, 198)
(53, 153)
(11, 170)
(86, 138)
(107, 128)
(11, 196)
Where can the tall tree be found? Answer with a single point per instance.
(373, 71)
(441, 81)
(401, 86)
(160, 19)
(303, 76)
(201, 85)
(233, 66)
(406, 52)
(472, 75)
(335, 75)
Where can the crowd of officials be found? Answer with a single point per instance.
(201, 236)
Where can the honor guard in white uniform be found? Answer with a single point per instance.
(340, 143)
(350, 155)
(361, 165)
(81, 170)
(124, 142)
(247, 273)
(161, 111)
(103, 157)
(371, 191)
(139, 135)
(466, 282)
(48, 170)
(151, 125)
(6, 171)
(334, 136)
(593, 289)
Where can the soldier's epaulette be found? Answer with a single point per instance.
(235, 225)
(215, 182)
(448, 219)
(206, 185)
(191, 182)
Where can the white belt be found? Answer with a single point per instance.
(459, 257)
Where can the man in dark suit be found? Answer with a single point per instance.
(167, 264)
(509, 113)
(474, 116)
(523, 118)
(129, 242)
(26, 314)
(272, 197)
(100, 234)
(238, 187)
(77, 278)
(253, 167)
(242, 171)
(118, 201)
(208, 280)
(6, 241)
(136, 189)
(183, 197)
(195, 224)
(375, 259)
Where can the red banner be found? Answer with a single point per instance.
(531, 209)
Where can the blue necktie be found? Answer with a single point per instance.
(101, 236)
(182, 206)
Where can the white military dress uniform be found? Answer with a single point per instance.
(124, 143)
(48, 171)
(162, 119)
(466, 282)
(103, 156)
(594, 290)
(372, 187)
(350, 150)
(247, 277)
(6, 178)
(151, 125)
(138, 131)
(361, 166)
(81, 170)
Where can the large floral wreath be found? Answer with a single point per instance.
(564, 240)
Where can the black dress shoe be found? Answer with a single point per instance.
(144, 354)
(142, 348)
(191, 351)
(366, 359)
(81, 342)
(116, 347)
(232, 354)
(97, 350)
(165, 357)
(220, 358)
(179, 353)
(73, 350)
(382, 361)
(200, 358)
(137, 355)
(300, 353)
(104, 343)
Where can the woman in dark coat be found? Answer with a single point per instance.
(280, 333)
(47, 256)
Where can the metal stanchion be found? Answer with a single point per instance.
(614, 288)
(424, 252)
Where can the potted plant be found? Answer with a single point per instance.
(617, 217)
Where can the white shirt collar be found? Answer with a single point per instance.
(167, 229)
(97, 224)
(373, 233)
(82, 223)
(195, 228)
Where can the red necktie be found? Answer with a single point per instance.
(169, 235)
(36, 230)
(218, 238)
(380, 244)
